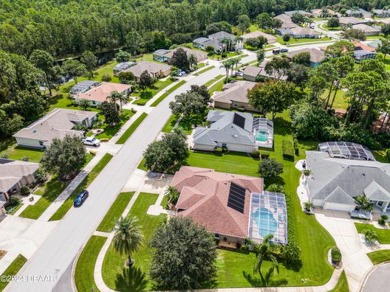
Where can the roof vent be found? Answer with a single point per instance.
(235, 136)
(363, 174)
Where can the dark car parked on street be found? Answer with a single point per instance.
(81, 197)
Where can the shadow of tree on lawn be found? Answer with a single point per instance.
(131, 279)
(256, 282)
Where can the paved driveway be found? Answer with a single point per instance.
(378, 280)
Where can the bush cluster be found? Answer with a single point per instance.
(336, 255)
(288, 150)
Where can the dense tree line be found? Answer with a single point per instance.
(64, 27)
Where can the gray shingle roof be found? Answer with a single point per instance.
(236, 91)
(223, 129)
(12, 171)
(376, 192)
(338, 195)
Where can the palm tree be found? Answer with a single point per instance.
(263, 252)
(364, 203)
(114, 97)
(128, 237)
(308, 206)
(173, 195)
(228, 64)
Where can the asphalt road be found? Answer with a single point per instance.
(44, 269)
(378, 280)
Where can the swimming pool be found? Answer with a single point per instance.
(265, 221)
(261, 136)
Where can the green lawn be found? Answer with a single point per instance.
(168, 92)
(145, 96)
(12, 270)
(141, 165)
(113, 262)
(18, 153)
(68, 203)
(109, 221)
(168, 127)
(340, 102)
(342, 284)
(126, 135)
(204, 70)
(293, 41)
(217, 86)
(379, 256)
(215, 79)
(313, 239)
(84, 274)
(383, 234)
(110, 131)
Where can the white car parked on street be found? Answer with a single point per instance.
(91, 141)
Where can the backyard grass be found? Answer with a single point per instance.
(340, 102)
(110, 131)
(126, 135)
(109, 221)
(113, 262)
(12, 270)
(342, 284)
(204, 70)
(379, 256)
(68, 203)
(312, 238)
(84, 274)
(215, 79)
(168, 92)
(383, 234)
(15, 152)
(146, 95)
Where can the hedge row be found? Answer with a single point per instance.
(288, 150)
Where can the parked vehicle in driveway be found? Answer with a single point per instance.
(91, 141)
(284, 50)
(81, 197)
(239, 73)
(276, 51)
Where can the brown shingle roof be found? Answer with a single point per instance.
(102, 91)
(236, 91)
(255, 34)
(151, 67)
(316, 55)
(199, 55)
(204, 197)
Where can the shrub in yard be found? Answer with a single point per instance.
(218, 151)
(40, 176)
(291, 254)
(12, 203)
(104, 139)
(277, 188)
(106, 77)
(296, 146)
(25, 190)
(336, 255)
(288, 150)
(25, 158)
(256, 154)
(383, 219)
(264, 155)
(92, 152)
(4, 155)
(270, 168)
(307, 172)
(370, 236)
(224, 55)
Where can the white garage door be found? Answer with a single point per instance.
(338, 207)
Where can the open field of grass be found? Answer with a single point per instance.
(18, 153)
(68, 203)
(168, 92)
(379, 256)
(109, 221)
(114, 262)
(383, 234)
(12, 270)
(126, 135)
(84, 273)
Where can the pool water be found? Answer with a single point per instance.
(265, 221)
(261, 136)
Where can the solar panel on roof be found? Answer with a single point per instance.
(236, 198)
(239, 121)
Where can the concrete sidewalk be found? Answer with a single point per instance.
(54, 206)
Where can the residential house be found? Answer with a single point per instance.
(368, 30)
(234, 95)
(316, 55)
(162, 56)
(255, 73)
(286, 20)
(14, 174)
(120, 67)
(382, 13)
(320, 13)
(56, 124)
(98, 92)
(216, 41)
(360, 55)
(302, 12)
(358, 12)
(298, 32)
(347, 21)
(335, 181)
(228, 205)
(255, 34)
(235, 131)
(156, 70)
(375, 44)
